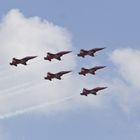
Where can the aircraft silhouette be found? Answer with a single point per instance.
(85, 71)
(57, 56)
(58, 75)
(92, 91)
(91, 52)
(22, 61)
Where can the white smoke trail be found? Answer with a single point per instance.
(12, 89)
(19, 90)
(5, 76)
(32, 108)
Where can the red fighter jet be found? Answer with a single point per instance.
(92, 91)
(57, 56)
(91, 52)
(22, 61)
(85, 71)
(58, 75)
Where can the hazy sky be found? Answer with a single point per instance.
(32, 108)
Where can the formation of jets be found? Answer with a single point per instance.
(58, 75)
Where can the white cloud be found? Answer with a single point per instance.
(126, 86)
(127, 61)
(23, 88)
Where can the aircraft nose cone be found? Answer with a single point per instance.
(69, 71)
(103, 66)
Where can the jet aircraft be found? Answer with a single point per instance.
(57, 56)
(85, 71)
(22, 61)
(58, 75)
(92, 91)
(91, 52)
